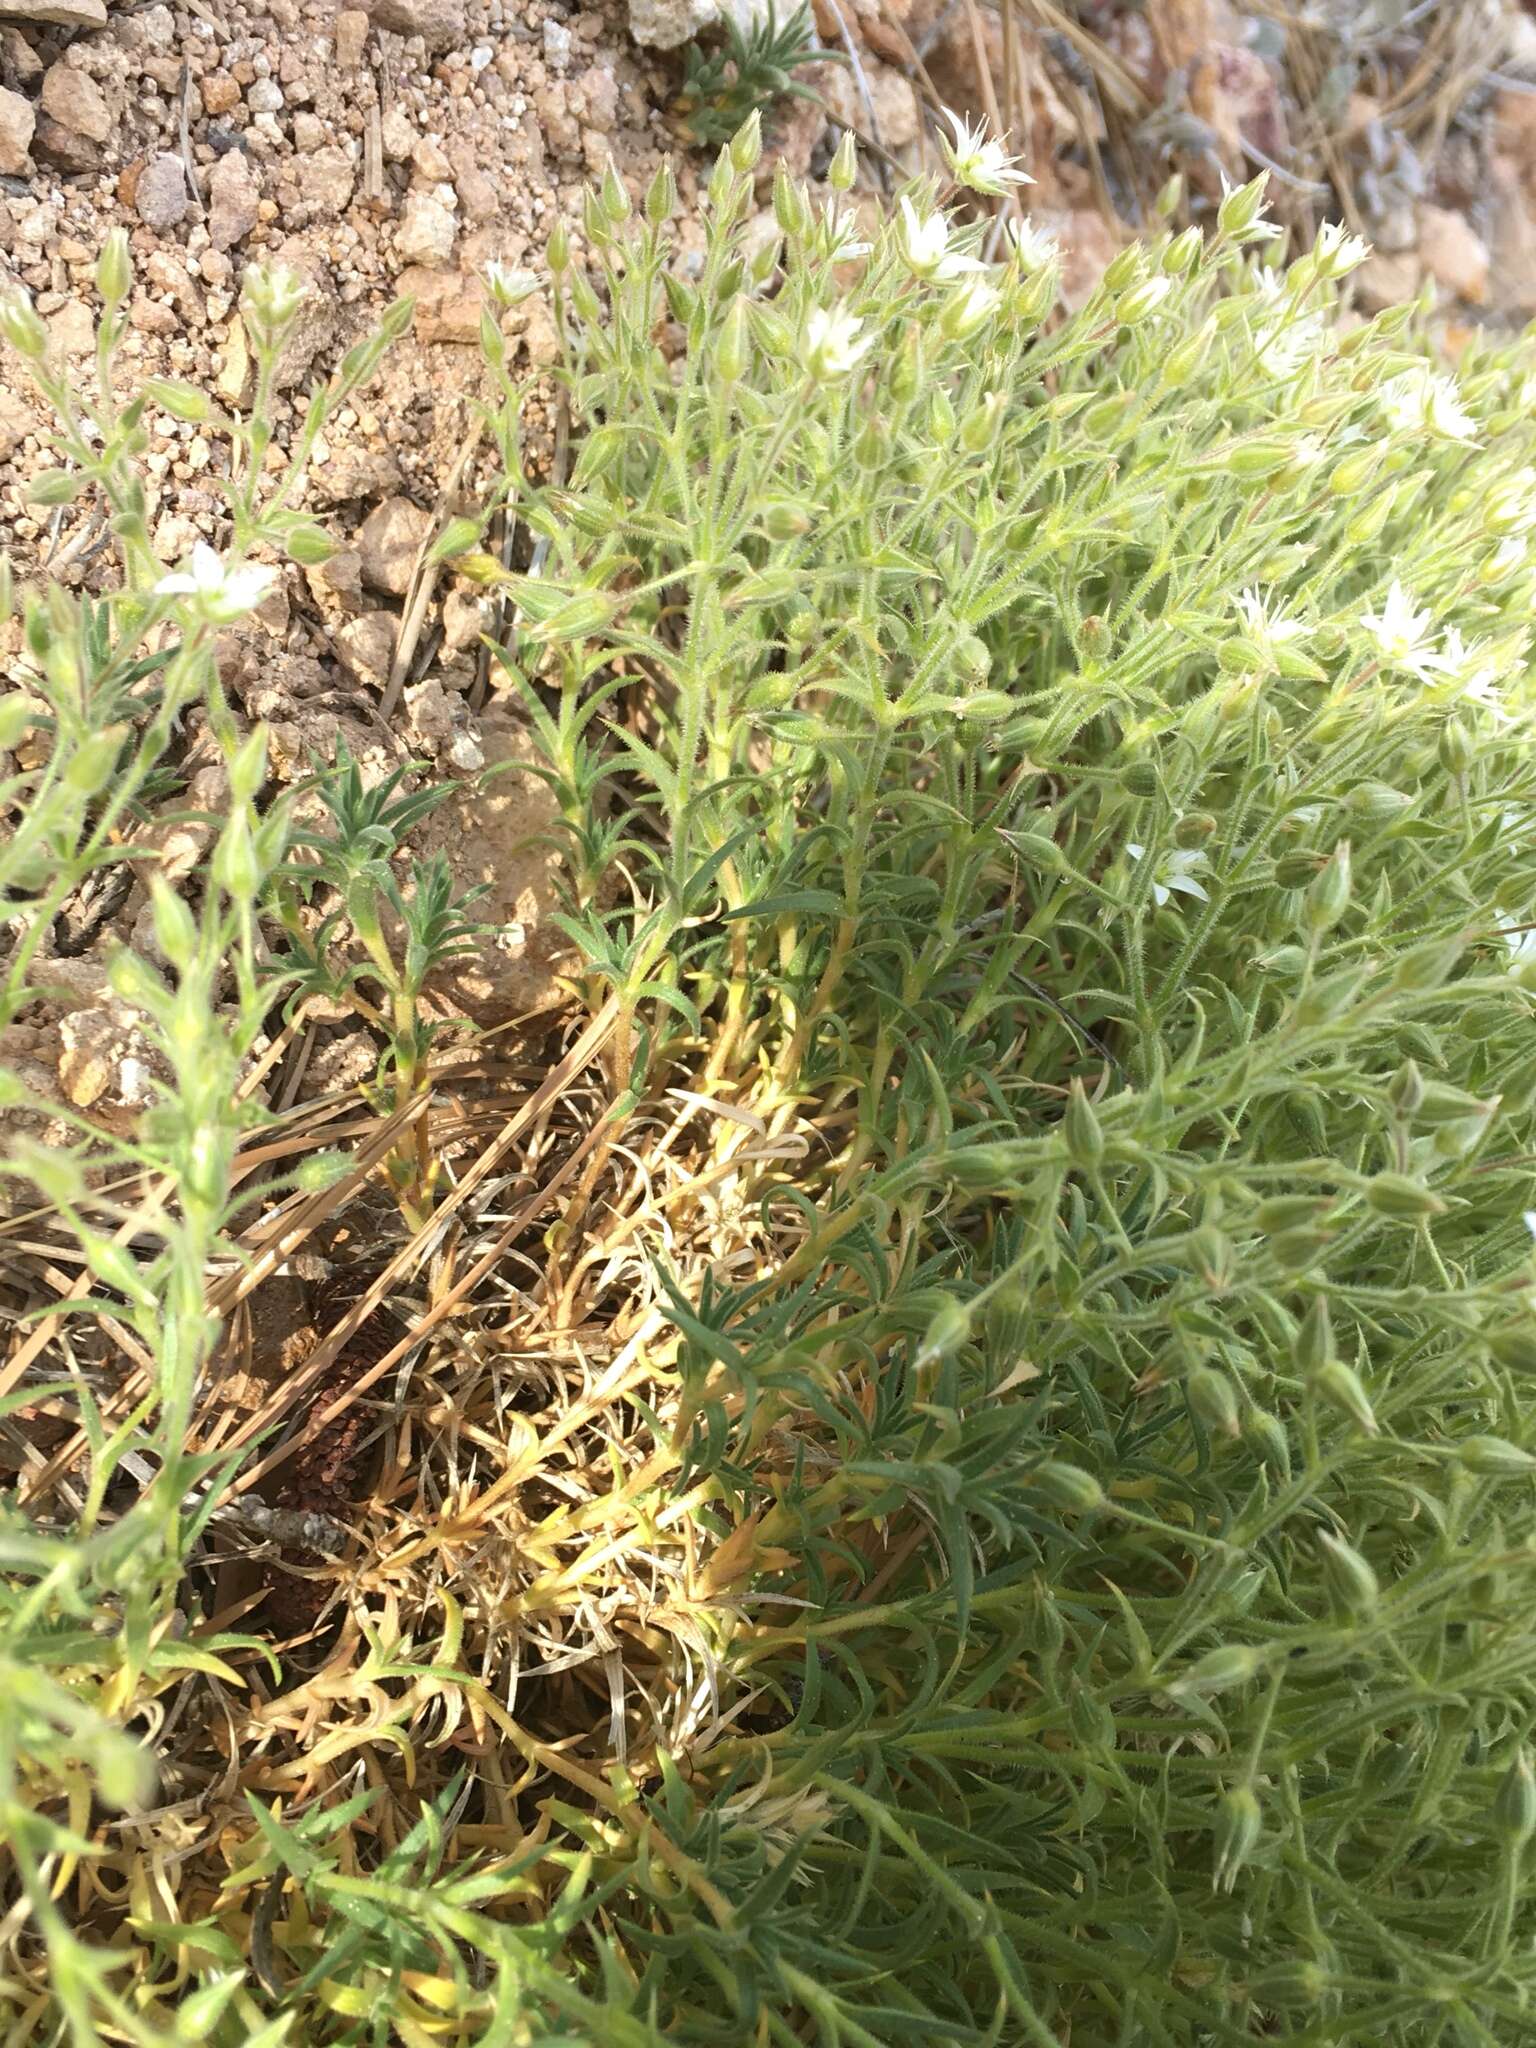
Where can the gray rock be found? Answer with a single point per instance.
(426, 230)
(162, 198)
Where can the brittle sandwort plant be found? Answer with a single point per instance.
(1050, 803)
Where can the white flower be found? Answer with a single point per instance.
(969, 307)
(1270, 629)
(1337, 251)
(1033, 248)
(1174, 870)
(1401, 633)
(220, 593)
(1288, 345)
(832, 347)
(840, 231)
(1419, 402)
(508, 285)
(1478, 669)
(1510, 506)
(925, 246)
(978, 161)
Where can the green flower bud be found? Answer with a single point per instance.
(1494, 1458)
(1140, 778)
(557, 251)
(1183, 252)
(613, 195)
(1328, 896)
(1068, 1487)
(1350, 475)
(1081, 1129)
(1212, 1400)
(844, 167)
(733, 344)
(1514, 1804)
(1405, 1200)
(1239, 1826)
(746, 145)
(1350, 1580)
(1454, 747)
(661, 195)
(1220, 1670)
(1142, 300)
(1123, 269)
(20, 326)
(114, 268)
(1240, 210)
(1339, 1385)
(1405, 1090)
(1268, 1440)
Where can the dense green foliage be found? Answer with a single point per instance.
(1080, 821)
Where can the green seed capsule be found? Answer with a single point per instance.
(1212, 1399)
(1494, 1458)
(1405, 1200)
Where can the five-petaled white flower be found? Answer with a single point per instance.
(1420, 402)
(977, 160)
(1289, 343)
(1338, 252)
(1402, 634)
(1174, 869)
(1476, 669)
(1033, 248)
(832, 346)
(220, 593)
(925, 246)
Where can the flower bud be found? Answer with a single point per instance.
(1402, 1199)
(844, 167)
(20, 326)
(733, 344)
(1267, 1437)
(114, 268)
(1494, 1458)
(1339, 1385)
(1123, 269)
(1350, 475)
(661, 195)
(1219, 1670)
(1081, 1129)
(1454, 747)
(1351, 1582)
(1405, 1090)
(1166, 205)
(614, 195)
(1142, 300)
(790, 208)
(1068, 1487)
(1327, 897)
(1514, 1804)
(1183, 252)
(746, 145)
(1240, 210)
(1314, 1345)
(1239, 1825)
(557, 251)
(1212, 1400)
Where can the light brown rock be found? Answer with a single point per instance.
(1453, 254)
(326, 179)
(427, 229)
(448, 304)
(221, 95)
(439, 23)
(18, 124)
(71, 330)
(1387, 278)
(351, 37)
(389, 541)
(56, 13)
(74, 99)
(367, 646)
(234, 195)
